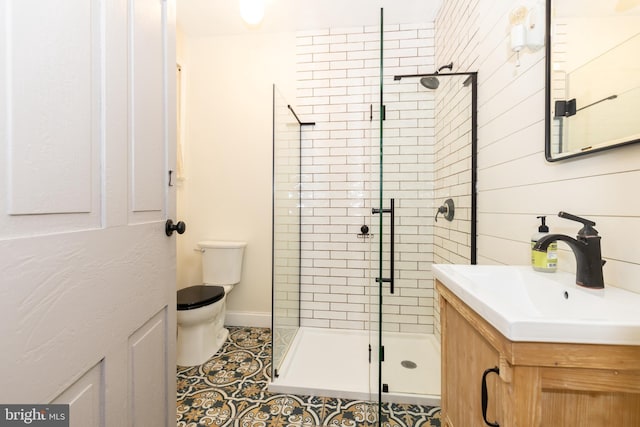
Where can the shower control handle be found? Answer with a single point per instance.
(392, 212)
(447, 209)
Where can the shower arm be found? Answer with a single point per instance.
(403, 76)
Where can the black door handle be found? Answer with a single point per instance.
(170, 227)
(485, 395)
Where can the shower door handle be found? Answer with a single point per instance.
(392, 239)
(392, 211)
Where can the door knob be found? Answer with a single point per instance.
(170, 227)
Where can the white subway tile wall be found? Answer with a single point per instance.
(338, 87)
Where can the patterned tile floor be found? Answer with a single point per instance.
(231, 390)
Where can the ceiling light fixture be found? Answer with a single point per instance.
(252, 11)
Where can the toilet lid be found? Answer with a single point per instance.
(199, 296)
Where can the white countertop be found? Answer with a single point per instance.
(525, 305)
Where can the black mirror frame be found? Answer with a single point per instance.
(547, 114)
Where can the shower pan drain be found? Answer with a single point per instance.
(408, 364)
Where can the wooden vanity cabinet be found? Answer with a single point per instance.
(538, 384)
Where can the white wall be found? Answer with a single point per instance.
(515, 183)
(226, 193)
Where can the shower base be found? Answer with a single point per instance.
(335, 363)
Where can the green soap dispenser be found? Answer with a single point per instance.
(544, 261)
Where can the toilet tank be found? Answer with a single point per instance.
(221, 262)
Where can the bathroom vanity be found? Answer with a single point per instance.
(504, 363)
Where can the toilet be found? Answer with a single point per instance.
(201, 308)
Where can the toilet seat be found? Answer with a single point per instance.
(199, 296)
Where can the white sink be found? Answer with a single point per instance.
(525, 305)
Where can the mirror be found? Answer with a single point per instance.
(593, 76)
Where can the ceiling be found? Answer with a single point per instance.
(222, 17)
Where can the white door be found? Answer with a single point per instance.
(87, 274)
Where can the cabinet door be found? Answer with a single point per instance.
(466, 355)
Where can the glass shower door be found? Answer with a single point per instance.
(425, 155)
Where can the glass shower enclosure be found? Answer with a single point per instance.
(353, 294)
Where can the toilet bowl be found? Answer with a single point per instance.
(202, 308)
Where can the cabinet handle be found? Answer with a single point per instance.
(485, 395)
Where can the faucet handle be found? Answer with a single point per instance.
(587, 230)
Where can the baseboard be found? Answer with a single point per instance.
(248, 318)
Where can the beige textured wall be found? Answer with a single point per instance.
(226, 191)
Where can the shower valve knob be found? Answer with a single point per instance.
(447, 209)
(364, 232)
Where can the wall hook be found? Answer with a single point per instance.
(447, 210)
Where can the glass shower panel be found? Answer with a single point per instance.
(407, 151)
(286, 229)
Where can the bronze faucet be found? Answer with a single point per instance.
(586, 248)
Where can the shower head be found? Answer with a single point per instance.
(432, 82)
